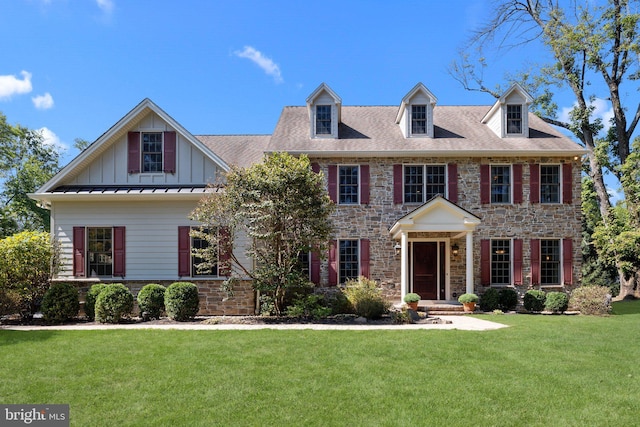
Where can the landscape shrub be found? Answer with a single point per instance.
(151, 301)
(113, 303)
(366, 298)
(534, 300)
(181, 301)
(489, 300)
(60, 303)
(594, 300)
(90, 300)
(339, 304)
(9, 302)
(312, 306)
(507, 299)
(556, 302)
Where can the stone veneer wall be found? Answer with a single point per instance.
(523, 221)
(213, 301)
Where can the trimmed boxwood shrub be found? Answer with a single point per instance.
(534, 300)
(556, 302)
(489, 300)
(366, 298)
(594, 300)
(151, 301)
(90, 299)
(507, 299)
(60, 303)
(113, 303)
(181, 301)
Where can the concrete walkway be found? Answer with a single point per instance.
(464, 323)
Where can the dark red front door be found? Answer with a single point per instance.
(425, 269)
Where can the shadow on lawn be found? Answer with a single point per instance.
(8, 337)
(626, 307)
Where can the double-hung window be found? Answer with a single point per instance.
(500, 184)
(418, 119)
(202, 265)
(422, 182)
(323, 119)
(550, 184)
(152, 152)
(514, 119)
(549, 262)
(348, 177)
(348, 260)
(501, 262)
(100, 251)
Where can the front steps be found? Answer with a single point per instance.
(440, 308)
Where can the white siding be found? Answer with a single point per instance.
(151, 234)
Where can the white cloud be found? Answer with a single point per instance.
(267, 65)
(602, 109)
(43, 102)
(106, 6)
(11, 85)
(50, 138)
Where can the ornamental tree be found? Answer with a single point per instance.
(282, 206)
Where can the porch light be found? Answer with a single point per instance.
(455, 250)
(397, 248)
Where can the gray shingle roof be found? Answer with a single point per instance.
(458, 131)
(239, 150)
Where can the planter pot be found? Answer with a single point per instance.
(413, 306)
(469, 307)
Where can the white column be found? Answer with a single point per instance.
(469, 269)
(403, 264)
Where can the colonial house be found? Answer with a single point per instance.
(437, 200)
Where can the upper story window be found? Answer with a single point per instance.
(500, 184)
(423, 182)
(514, 119)
(152, 152)
(501, 262)
(348, 184)
(550, 184)
(323, 119)
(418, 119)
(549, 262)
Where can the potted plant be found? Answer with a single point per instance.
(468, 301)
(412, 300)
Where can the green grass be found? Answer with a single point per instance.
(541, 371)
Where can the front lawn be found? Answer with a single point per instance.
(541, 371)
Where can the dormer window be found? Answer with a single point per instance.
(418, 119)
(323, 119)
(514, 119)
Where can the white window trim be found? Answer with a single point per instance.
(359, 186)
(560, 264)
(511, 262)
(426, 134)
(510, 202)
(505, 123)
(560, 183)
(330, 135)
(424, 183)
(142, 132)
(340, 279)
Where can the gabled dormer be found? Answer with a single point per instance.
(508, 117)
(324, 107)
(415, 115)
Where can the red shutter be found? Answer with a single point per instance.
(485, 261)
(567, 183)
(78, 252)
(315, 268)
(184, 251)
(364, 184)
(333, 271)
(535, 261)
(534, 184)
(225, 247)
(567, 261)
(169, 152)
(452, 182)
(485, 184)
(517, 183)
(133, 158)
(315, 167)
(517, 261)
(364, 258)
(119, 259)
(398, 193)
(333, 183)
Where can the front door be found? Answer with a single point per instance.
(425, 269)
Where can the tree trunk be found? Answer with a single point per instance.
(628, 285)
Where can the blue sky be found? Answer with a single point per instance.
(73, 68)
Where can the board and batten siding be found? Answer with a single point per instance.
(110, 167)
(151, 239)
